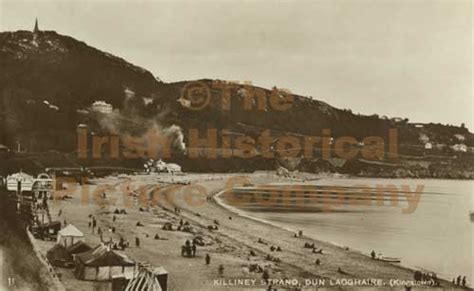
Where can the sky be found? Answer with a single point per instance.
(400, 58)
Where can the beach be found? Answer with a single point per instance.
(241, 244)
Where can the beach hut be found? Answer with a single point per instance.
(70, 235)
(78, 247)
(149, 280)
(59, 257)
(101, 264)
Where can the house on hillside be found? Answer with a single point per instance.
(440, 146)
(459, 137)
(4, 149)
(102, 106)
(423, 138)
(459, 148)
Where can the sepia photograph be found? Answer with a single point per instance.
(175, 145)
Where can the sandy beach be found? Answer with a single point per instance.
(240, 244)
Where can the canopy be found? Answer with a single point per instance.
(70, 230)
(103, 256)
(69, 235)
(78, 247)
(58, 256)
(145, 280)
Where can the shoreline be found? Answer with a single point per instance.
(235, 244)
(236, 211)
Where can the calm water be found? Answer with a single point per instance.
(438, 236)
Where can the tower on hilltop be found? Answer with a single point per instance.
(36, 29)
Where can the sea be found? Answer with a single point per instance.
(435, 234)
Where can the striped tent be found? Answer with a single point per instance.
(144, 281)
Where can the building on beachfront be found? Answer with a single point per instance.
(102, 264)
(69, 235)
(20, 182)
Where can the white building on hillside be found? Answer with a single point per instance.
(102, 106)
(459, 148)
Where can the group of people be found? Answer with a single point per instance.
(299, 234)
(420, 276)
(121, 245)
(120, 211)
(183, 225)
(11, 282)
(92, 222)
(188, 250)
(460, 281)
(273, 248)
(311, 246)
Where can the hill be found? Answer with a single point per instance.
(49, 83)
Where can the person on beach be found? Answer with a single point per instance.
(208, 259)
(372, 254)
(464, 281)
(458, 280)
(137, 242)
(265, 275)
(114, 218)
(221, 270)
(194, 250)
